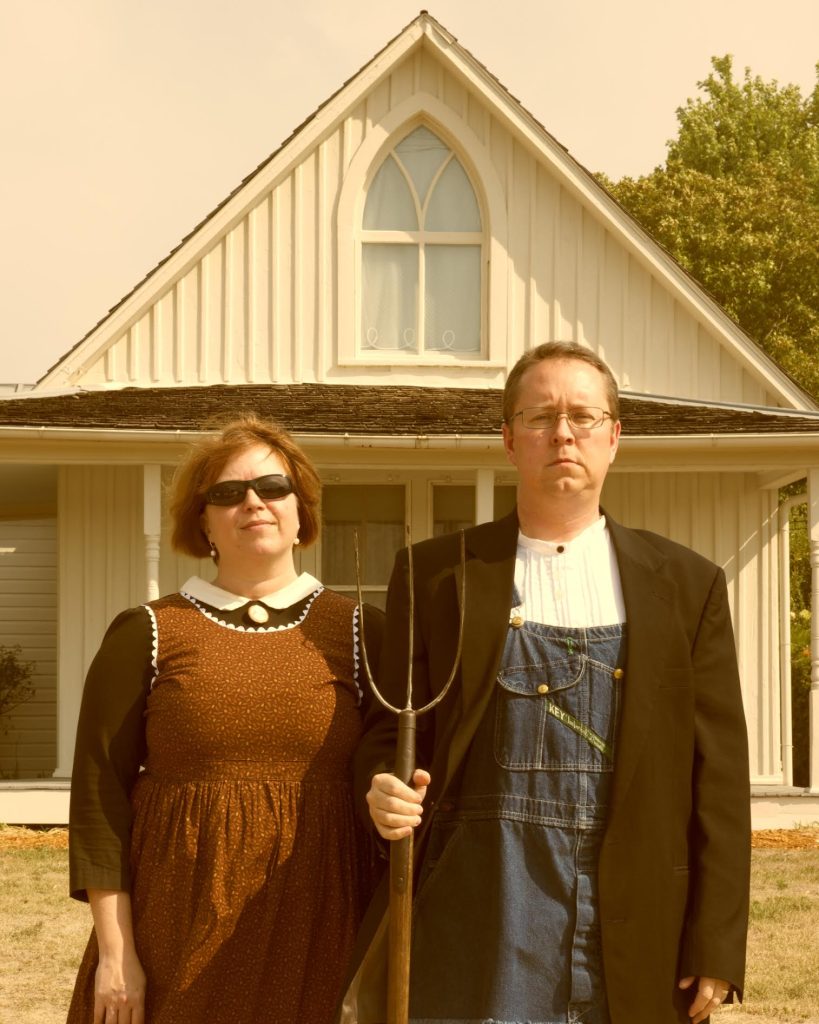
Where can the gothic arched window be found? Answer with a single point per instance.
(422, 254)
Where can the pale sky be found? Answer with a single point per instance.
(125, 122)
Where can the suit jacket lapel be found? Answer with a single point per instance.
(490, 570)
(649, 597)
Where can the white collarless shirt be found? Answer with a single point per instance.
(571, 583)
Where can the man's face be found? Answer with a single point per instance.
(562, 459)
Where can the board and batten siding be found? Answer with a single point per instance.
(28, 619)
(691, 509)
(260, 305)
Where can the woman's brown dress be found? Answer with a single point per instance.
(248, 867)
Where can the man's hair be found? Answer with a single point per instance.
(206, 459)
(557, 350)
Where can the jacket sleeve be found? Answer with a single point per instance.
(716, 924)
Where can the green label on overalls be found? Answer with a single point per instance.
(580, 728)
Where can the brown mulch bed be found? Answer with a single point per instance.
(805, 838)
(13, 837)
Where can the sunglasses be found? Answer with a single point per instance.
(232, 492)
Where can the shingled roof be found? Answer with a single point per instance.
(337, 409)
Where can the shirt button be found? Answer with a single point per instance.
(560, 549)
(516, 621)
(618, 673)
(543, 688)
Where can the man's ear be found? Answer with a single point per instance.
(509, 443)
(615, 439)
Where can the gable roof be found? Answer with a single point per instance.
(426, 31)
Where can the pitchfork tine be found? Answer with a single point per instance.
(458, 651)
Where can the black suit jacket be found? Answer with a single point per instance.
(675, 860)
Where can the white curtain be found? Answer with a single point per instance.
(389, 275)
(452, 306)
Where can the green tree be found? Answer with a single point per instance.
(737, 204)
(739, 126)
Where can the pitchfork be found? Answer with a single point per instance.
(400, 917)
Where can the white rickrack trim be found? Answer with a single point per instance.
(154, 644)
(356, 659)
(251, 629)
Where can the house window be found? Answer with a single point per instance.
(453, 508)
(376, 514)
(422, 254)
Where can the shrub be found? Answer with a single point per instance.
(15, 679)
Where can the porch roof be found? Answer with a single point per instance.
(336, 409)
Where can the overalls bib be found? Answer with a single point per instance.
(505, 920)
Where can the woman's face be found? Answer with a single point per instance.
(254, 535)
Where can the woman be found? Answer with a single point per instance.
(226, 878)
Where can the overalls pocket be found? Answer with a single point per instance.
(527, 734)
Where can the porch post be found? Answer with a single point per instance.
(813, 539)
(151, 525)
(484, 496)
(785, 678)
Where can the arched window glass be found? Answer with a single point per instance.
(390, 203)
(453, 206)
(422, 154)
(422, 245)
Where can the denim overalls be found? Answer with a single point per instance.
(505, 928)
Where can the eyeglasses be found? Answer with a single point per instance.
(544, 417)
(232, 492)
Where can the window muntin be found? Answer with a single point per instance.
(422, 250)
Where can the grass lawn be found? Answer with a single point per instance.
(43, 932)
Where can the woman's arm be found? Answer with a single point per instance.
(120, 980)
(109, 751)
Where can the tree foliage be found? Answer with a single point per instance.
(15, 679)
(737, 204)
(741, 126)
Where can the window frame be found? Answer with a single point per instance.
(420, 240)
(427, 111)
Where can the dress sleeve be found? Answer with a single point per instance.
(109, 751)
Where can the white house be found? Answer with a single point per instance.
(370, 285)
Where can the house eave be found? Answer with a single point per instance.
(634, 442)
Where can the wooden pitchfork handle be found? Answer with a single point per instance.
(400, 917)
(400, 913)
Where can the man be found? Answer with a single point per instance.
(583, 826)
